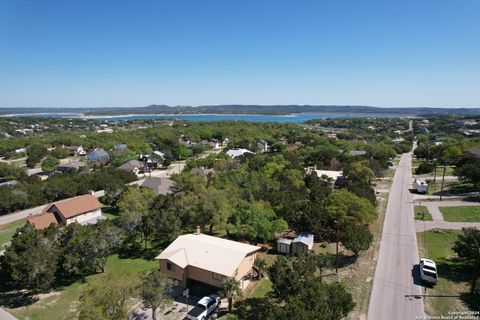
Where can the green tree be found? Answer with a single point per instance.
(469, 171)
(32, 258)
(261, 265)
(134, 206)
(155, 291)
(49, 164)
(60, 152)
(356, 238)
(290, 275)
(346, 208)
(257, 220)
(106, 297)
(231, 288)
(35, 153)
(319, 301)
(467, 247)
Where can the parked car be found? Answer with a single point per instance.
(428, 271)
(204, 307)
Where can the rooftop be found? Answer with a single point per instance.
(74, 206)
(206, 252)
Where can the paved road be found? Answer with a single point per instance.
(174, 168)
(4, 315)
(395, 294)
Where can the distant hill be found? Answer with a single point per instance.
(246, 109)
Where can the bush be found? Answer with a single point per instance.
(425, 167)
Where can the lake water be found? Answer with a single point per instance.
(301, 117)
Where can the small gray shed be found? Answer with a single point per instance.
(283, 245)
(302, 243)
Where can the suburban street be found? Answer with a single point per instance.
(395, 293)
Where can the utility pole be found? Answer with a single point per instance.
(443, 180)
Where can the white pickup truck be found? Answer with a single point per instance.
(428, 270)
(204, 307)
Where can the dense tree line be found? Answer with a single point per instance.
(40, 260)
(32, 191)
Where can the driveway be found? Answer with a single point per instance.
(438, 221)
(395, 294)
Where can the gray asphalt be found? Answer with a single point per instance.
(395, 293)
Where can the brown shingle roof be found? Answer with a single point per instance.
(43, 220)
(74, 206)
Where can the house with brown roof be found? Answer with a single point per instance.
(202, 258)
(85, 209)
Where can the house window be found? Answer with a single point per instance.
(217, 276)
(170, 267)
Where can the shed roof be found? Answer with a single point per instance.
(304, 238)
(210, 253)
(284, 240)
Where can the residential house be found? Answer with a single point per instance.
(214, 143)
(358, 153)
(72, 165)
(153, 160)
(9, 183)
(331, 174)
(134, 166)
(203, 172)
(120, 146)
(473, 152)
(159, 186)
(21, 150)
(77, 151)
(84, 209)
(262, 146)
(98, 155)
(234, 153)
(201, 258)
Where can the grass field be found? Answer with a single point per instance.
(63, 304)
(421, 213)
(461, 214)
(450, 292)
(8, 230)
(261, 289)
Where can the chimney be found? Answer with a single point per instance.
(197, 230)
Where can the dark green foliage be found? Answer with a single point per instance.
(425, 167)
(356, 238)
(469, 170)
(289, 275)
(31, 261)
(467, 247)
(155, 291)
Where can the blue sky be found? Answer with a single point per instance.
(136, 53)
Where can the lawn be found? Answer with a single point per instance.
(63, 304)
(461, 214)
(261, 289)
(453, 276)
(421, 213)
(8, 230)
